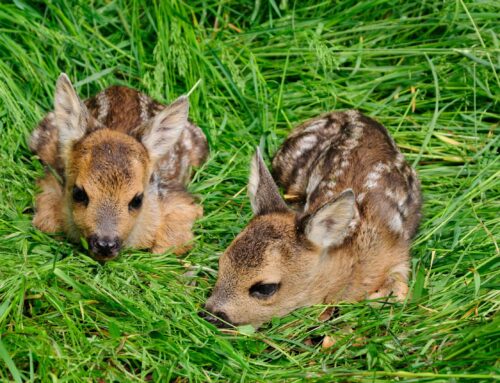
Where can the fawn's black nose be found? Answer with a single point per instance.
(219, 318)
(104, 247)
(222, 316)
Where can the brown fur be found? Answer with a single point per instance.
(118, 145)
(358, 206)
(49, 216)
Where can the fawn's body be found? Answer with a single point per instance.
(357, 207)
(117, 169)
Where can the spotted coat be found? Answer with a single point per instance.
(341, 150)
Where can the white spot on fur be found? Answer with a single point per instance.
(330, 183)
(351, 143)
(35, 136)
(102, 106)
(143, 106)
(373, 177)
(371, 182)
(315, 126)
(188, 142)
(305, 144)
(361, 197)
(309, 140)
(389, 193)
(396, 223)
(399, 161)
(329, 193)
(353, 225)
(353, 114)
(399, 197)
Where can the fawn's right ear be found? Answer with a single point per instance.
(163, 130)
(71, 114)
(264, 195)
(329, 226)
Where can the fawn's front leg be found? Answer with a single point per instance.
(175, 230)
(395, 285)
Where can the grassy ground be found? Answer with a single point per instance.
(428, 70)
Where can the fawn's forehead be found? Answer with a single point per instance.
(250, 247)
(111, 158)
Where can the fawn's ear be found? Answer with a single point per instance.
(264, 195)
(329, 225)
(163, 130)
(71, 114)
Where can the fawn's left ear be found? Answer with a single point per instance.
(164, 129)
(71, 114)
(262, 190)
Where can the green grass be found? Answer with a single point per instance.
(428, 70)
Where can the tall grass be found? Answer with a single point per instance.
(428, 70)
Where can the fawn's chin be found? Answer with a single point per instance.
(104, 258)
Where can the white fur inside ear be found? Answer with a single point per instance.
(165, 128)
(253, 181)
(69, 112)
(329, 225)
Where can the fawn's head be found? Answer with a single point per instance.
(273, 266)
(107, 172)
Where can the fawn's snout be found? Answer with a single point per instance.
(104, 248)
(215, 317)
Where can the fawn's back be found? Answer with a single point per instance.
(343, 150)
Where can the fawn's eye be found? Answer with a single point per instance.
(79, 195)
(136, 202)
(263, 290)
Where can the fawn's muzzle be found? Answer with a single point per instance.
(104, 248)
(219, 318)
